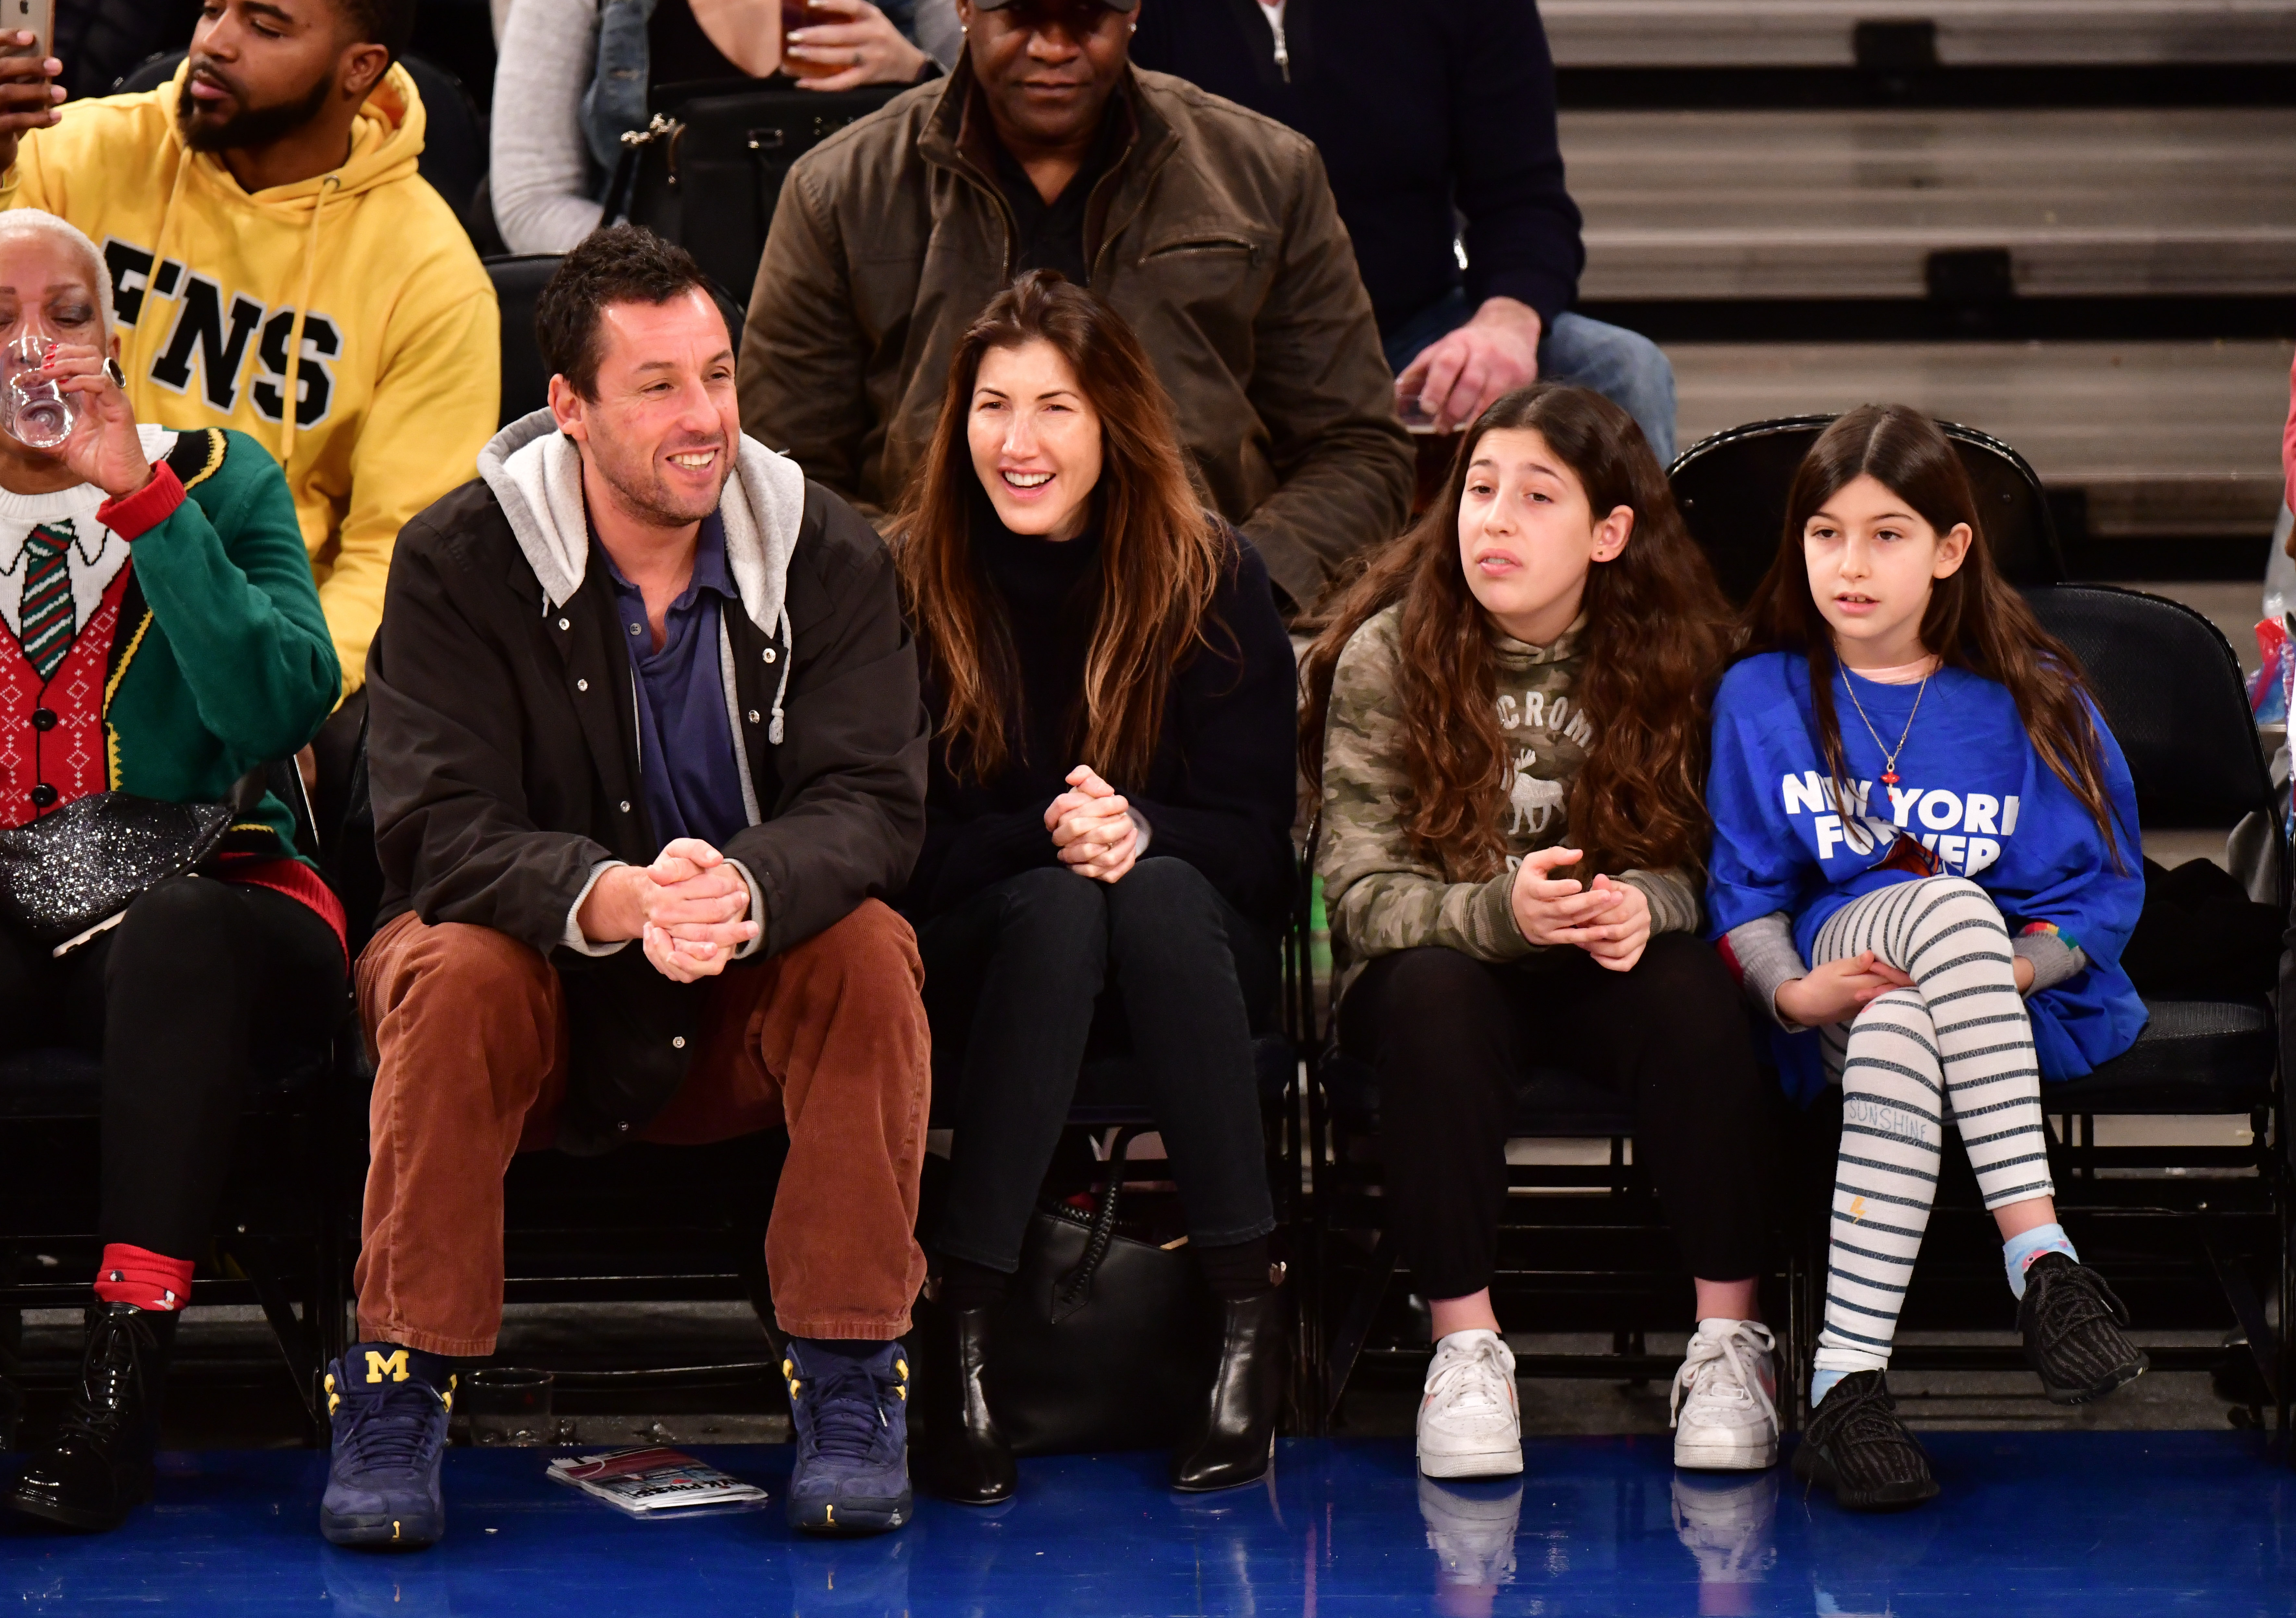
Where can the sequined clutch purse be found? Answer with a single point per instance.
(67, 873)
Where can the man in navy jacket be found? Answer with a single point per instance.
(1426, 115)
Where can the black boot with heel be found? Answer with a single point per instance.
(98, 1466)
(1237, 1438)
(963, 1457)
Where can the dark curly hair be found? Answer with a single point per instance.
(620, 264)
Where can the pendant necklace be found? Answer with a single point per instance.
(1889, 754)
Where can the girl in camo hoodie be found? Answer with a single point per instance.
(1506, 731)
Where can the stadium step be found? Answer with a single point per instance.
(2161, 440)
(1958, 33)
(1891, 204)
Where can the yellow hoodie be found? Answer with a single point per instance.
(397, 372)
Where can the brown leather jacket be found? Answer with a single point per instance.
(1213, 233)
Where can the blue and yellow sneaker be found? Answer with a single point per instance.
(388, 1407)
(851, 1416)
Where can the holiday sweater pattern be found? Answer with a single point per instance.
(198, 651)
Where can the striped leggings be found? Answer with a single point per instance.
(1957, 1041)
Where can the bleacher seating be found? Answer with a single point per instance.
(1964, 33)
(2060, 222)
(1858, 202)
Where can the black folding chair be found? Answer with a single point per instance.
(1732, 489)
(2171, 691)
(518, 279)
(283, 1203)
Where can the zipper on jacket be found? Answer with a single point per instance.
(1283, 48)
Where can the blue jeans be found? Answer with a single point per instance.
(1625, 367)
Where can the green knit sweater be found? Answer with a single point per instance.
(222, 661)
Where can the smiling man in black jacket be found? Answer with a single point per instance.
(1437, 125)
(640, 682)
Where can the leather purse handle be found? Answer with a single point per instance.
(1074, 1289)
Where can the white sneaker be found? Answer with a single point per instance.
(1470, 1425)
(1726, 1398)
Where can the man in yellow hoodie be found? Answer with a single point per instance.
(269, 239)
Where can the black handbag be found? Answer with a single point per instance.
(707, 172)
(1105, 1342)
(71, 871)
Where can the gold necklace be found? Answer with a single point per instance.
(1889, 754)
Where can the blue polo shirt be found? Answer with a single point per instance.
(686, 768)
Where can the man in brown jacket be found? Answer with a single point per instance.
(1210, 228)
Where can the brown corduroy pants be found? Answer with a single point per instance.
(468, 1028)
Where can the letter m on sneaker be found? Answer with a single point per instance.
(394, 1367)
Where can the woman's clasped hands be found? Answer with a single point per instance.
(1609, 920)
(1093, 827)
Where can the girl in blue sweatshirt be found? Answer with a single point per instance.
(1924, 868)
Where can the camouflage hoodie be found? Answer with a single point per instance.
(1380, 895)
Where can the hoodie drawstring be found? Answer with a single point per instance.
(291, 406)
(788, 656)
(138, 351)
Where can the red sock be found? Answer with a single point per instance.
(148, 1280)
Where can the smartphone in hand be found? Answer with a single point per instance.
(37, 17)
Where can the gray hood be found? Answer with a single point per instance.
(536, 473)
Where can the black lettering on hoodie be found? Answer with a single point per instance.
(200, 338)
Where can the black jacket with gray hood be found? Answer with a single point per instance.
(502, 752)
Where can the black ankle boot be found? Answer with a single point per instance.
(1237, 1438)
(963, 1458)
(99, 1464)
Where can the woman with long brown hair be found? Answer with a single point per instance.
(1107, 853)
(1507, 728)
(1924, 868)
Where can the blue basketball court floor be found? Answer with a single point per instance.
(2031, 1523)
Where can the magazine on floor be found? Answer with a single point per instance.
(656, 1483)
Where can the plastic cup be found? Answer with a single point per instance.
(508, 1404)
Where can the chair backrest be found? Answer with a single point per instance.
(2171, 690)
(454, 150)
(1732, 489)
(519, 280)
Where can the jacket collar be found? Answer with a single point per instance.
(536, 473)
(952, 130)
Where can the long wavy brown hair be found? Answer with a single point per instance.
(1655, 640)
(1974, 619)
(1161, 555)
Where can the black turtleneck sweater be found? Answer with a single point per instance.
(1219, 791)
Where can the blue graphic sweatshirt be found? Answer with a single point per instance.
(1971, 792)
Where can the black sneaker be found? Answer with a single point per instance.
(389, 1425)
(1857, 1447)
(2072, 1327)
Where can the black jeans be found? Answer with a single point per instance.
(1448, 1034)
(200, 981)
(1012, 979)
